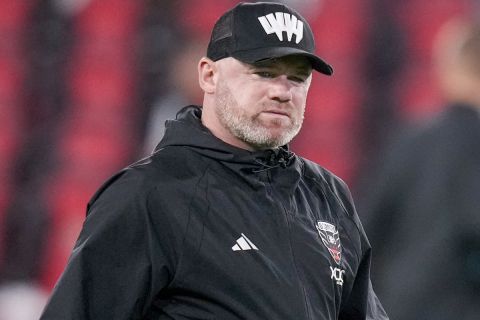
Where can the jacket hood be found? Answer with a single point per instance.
(188, 130)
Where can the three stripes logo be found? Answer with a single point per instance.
(243, 244)
(281, 22)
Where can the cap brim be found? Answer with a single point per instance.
(255, 55)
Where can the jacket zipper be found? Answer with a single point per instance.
(292, 254)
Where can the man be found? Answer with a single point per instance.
(422, 210)
(223, 221)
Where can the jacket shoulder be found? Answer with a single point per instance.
(131, 181)
(330, 183)
(165, 169)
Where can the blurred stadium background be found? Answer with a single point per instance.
(85, 86)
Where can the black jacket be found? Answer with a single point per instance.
(422, 216)
(204, 230)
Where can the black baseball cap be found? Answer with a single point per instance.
(251, 32)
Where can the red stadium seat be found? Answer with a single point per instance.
(97, 136)
(109, 19)
(14, 14)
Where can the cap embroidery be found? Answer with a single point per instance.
(281, 22)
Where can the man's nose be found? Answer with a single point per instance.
(280, 89)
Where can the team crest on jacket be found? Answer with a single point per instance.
(331, 239)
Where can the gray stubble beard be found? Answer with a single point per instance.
(250, 130)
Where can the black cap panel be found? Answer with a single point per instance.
(252, 56)
(256, 31)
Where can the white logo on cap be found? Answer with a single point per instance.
(282, 22)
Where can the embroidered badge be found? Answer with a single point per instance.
(331, 239)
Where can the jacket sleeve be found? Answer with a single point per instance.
(362, 302)
(112, 273)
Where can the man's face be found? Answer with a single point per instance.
(262, 105)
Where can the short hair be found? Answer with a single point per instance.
(470, 49)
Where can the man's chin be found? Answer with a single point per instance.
(277, 140)
(273, 121)
(281, 133)
(266, 135)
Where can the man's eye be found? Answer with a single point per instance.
(265, 74)
(297, 79)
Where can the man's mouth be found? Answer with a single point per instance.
(277, 112)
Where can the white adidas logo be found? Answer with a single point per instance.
(281, 22)
(243, 243)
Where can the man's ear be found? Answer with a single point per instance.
(207, 75)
